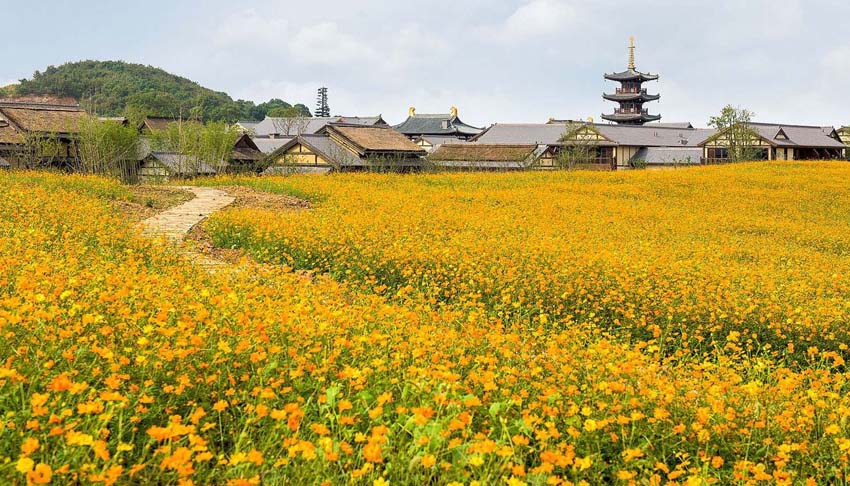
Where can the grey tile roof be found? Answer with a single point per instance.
(654, 136)
(288, 127)
(670, 125)
(361, 120)
(798, 135)
(269, 145)
(631, 75)
(668, 155)
(522, 133)
(640, 136)
(335, 153)
(441, 139)
(436, 124)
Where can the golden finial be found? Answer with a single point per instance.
(590, 120)
(453, 111)
(411, 111)
(632, 52)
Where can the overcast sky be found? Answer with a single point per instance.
(497, 60)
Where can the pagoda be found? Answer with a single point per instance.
(631, 95)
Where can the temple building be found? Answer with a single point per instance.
(340, 147)
(631, 95)
(774, 141)
(428, 130)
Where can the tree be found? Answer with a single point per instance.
(288, 121)
(733, 124)
(43, 150)
(210, 143)
(575, 149)
(284, 112)
(108, 148)
(110, 87)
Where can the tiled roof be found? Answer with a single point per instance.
(361, 120)
(631, 75)
(650, 135)
(654, 136)
(522, 133)
(289, 127)
(669, 155)
(441, 139)
(798, 135)
(436, 124)
(269, 145)
(330, 150)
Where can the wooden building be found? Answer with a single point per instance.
(342, 147)
(480, 157)
(631, 95)
(159, 167)
(844, 135)
(605, 147)
(40, 132)
(447, 126)
(246, 157)
(769, 141)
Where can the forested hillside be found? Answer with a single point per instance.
(118, 88)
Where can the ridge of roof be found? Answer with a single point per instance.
(791, 125)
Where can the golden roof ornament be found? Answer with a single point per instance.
(453, 111)
(632, 52)
(411, 111)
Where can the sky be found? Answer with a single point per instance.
(506, 61)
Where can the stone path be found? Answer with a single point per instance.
(176, 222)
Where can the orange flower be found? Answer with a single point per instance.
(42, 474)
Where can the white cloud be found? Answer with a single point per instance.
(251, 29)
(324, 43)
(836, 62)
(539, 18)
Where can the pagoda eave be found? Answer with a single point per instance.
(640, 97)
(631, 76)
(635, 119)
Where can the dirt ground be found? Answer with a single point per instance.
(147, 201)
(247, 197)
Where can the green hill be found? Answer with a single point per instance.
(116, 88)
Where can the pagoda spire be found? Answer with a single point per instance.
(631, 95)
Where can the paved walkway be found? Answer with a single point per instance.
(176, 222)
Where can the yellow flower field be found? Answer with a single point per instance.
(682, 327)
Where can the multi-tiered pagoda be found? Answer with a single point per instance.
(631, 95)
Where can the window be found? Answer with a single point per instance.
(721, 153)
